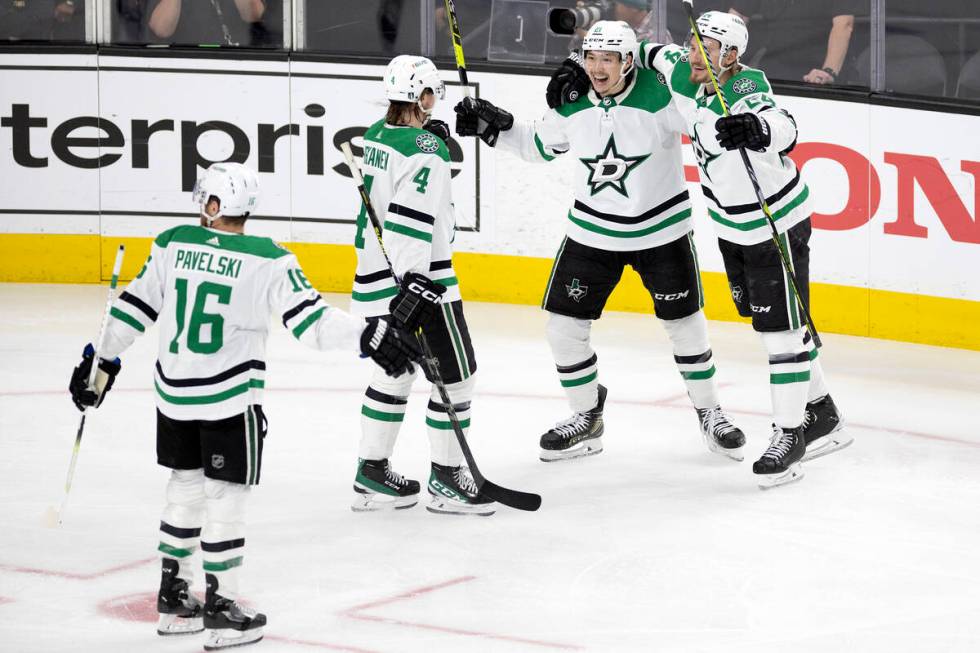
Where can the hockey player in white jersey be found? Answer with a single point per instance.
(407, 174)
(632, 208)
(210, 289)
(806, 422)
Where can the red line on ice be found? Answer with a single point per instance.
(315, 644)
(75, 575)
(354, 613)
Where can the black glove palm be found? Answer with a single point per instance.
(416, 302)
(743, 130)
(391, 348)
(568, 83)
(476, 117)
(439, 128)
(84, 396)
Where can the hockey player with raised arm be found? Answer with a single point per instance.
(806, 422)
(211, 289)
(631, 208)
(407, 175)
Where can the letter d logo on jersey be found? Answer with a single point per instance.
(610, 169)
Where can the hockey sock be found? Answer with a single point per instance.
(692, 353)
(818, 387)
(223, 537)
(180, 525)
(382, 414)
(444, 447)
(789, 376)
(575, 360)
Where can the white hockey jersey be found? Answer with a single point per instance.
(407, 175)
(732, 203)
(211, 293)
(629, 184)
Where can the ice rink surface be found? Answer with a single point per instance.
(653, 545)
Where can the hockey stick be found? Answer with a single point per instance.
(505, 496)
(457, 45)
(91, 379)
(760, 197)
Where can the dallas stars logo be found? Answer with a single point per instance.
(704, 157)
(576, 290)
(610, 169)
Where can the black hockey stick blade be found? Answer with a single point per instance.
(511, 498)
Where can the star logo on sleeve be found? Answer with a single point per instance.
(610, 169)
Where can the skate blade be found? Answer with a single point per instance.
(444, 506)
(374, 502)
(582, 449)
(833, 441)
(791, 475)
(171, 624)
(734, 454)
(222, 638)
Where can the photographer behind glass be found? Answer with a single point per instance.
(40, 20)
(204, 22)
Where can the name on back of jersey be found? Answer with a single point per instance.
(375, 158)
(225, 266)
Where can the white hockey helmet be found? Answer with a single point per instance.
(728, 29)
(235, 185)
(407, 76)
(612, 36)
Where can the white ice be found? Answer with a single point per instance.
(653, 545)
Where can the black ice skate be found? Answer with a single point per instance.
(580, 435)
(229, 624)
(180, 611)
(378, 487)
(780, 464)
(822, 423)
(720, 434)
(455, 493)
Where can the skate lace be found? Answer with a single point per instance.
(809, 417)
(394, 476)
(714, 421)
(779, 445)
(574, 424)
(465, 481)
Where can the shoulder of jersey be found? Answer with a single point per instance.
(408, 141)
(242, 243)
(581, 103)
(748, 81)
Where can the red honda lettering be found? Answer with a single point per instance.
(935, 184)
(863, 185)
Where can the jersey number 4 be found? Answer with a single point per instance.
(199, 319)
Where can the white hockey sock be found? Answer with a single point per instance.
(575, 360)
(223, 536)
(818, 387)
(382, 414)
(692, 353)
(444, 447)
(183, 516)
(789, 376)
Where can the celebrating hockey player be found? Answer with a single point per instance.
(806, 422)
(407, 174)
(631, 208)
(211, 288)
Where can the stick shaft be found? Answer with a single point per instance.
(457, 37)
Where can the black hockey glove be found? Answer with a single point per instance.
(743, 130)
(390, 347)
(81, 394)
(476, 117)
(439, 128)
(416, 302)
(568, 83)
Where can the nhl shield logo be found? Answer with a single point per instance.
(217, 461)
(576, 290)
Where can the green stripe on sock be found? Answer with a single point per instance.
(127, 318)
(223, 566)
(571, 383)
(382, 416)
(699, 376)
(174, 551)
(789, 377)
(446, 426)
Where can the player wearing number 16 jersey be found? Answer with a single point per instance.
(210, 290)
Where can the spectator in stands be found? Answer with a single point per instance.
(41, 20)
(204, 22)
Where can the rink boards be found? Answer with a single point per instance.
(97, 150)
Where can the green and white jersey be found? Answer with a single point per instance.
(407, 175)
(211, 293)
(629, 191)
(732, 202)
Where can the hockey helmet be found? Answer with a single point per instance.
(407, 76)
(728, 29)
(612, 36)
(236, 186)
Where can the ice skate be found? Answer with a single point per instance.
(378, 487)
(229, 624)
(578, 436)
(180, 611)
(453, 492)
(721, 436)
(780, 463)
(822, 424)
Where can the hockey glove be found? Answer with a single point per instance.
(439, 128)
(416, 302)
(743, 130)
(568, 83)
(476, 117)
(81, 393)
(390, 347)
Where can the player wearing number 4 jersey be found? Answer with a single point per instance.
(210, 289)
(631, 208)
